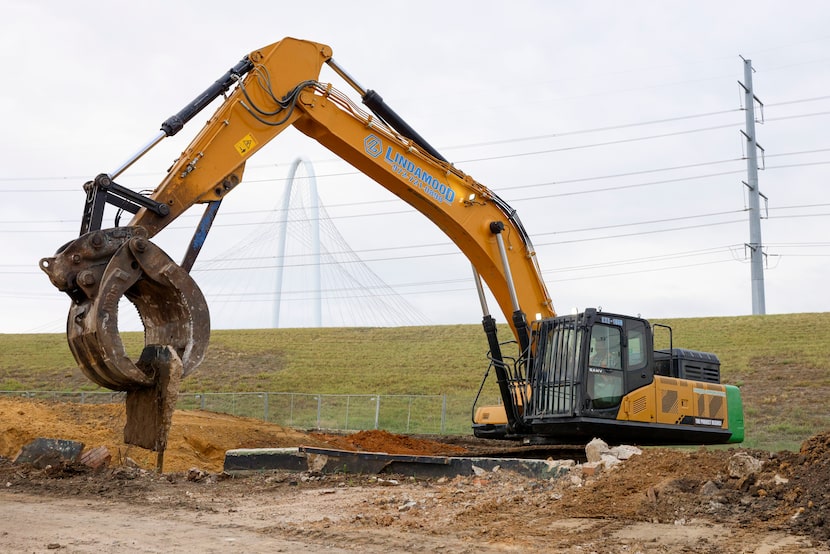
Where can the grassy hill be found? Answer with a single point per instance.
(781, 363)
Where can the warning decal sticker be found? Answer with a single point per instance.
(245, 145)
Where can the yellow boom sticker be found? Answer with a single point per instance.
(245, 145)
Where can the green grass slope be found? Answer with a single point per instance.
(781, 363)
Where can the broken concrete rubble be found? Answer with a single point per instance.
(320, 461)
(742, 465)
(44, 452)
(600, 455)
(96, 458)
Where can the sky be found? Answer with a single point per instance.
(613, 128)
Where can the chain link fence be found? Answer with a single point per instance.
(416, 414)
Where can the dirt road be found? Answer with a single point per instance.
(665, 500)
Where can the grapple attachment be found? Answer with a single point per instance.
(100, 267)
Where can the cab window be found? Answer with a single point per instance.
(604, 381)
(636, 346)
(605, 347)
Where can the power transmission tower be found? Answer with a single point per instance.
(754, 245)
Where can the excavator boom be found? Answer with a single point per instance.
(277, 87)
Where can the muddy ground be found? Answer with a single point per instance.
(664, 500)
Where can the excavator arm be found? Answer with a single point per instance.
(276, 87)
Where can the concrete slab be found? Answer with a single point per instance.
(242, 460)
(251, 460)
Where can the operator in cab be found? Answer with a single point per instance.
(605, 384)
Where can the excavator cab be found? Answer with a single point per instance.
(596, 374)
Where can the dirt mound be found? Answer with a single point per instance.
(389, 443)
(197, 439)
(810, 487)
(787, 491)
(816, 449)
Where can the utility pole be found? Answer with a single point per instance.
(754, 245)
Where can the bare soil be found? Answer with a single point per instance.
(665, 500)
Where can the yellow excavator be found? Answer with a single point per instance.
(572, 377)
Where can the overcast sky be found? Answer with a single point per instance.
(613, 128)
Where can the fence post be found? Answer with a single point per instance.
(443, 413)
(377, 410)
(319, 408)
(266, 406)
(348, 399)
(409, 413)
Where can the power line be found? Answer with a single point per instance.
(800, 101)
(646, 259)
(514, 200)
(498, 142)
(571, 269)
(565, 231)
(652, 232)
(458, 253)
(600, 129)
(548, 183)
(444, 254)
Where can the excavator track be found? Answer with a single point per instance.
(99, 268)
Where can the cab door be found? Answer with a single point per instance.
(604, 377)
(638, 355)
(619, 361)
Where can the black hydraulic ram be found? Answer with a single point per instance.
(375, 102)
(103, 190)
(502, 371)
(175, 123)
(382, 110)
